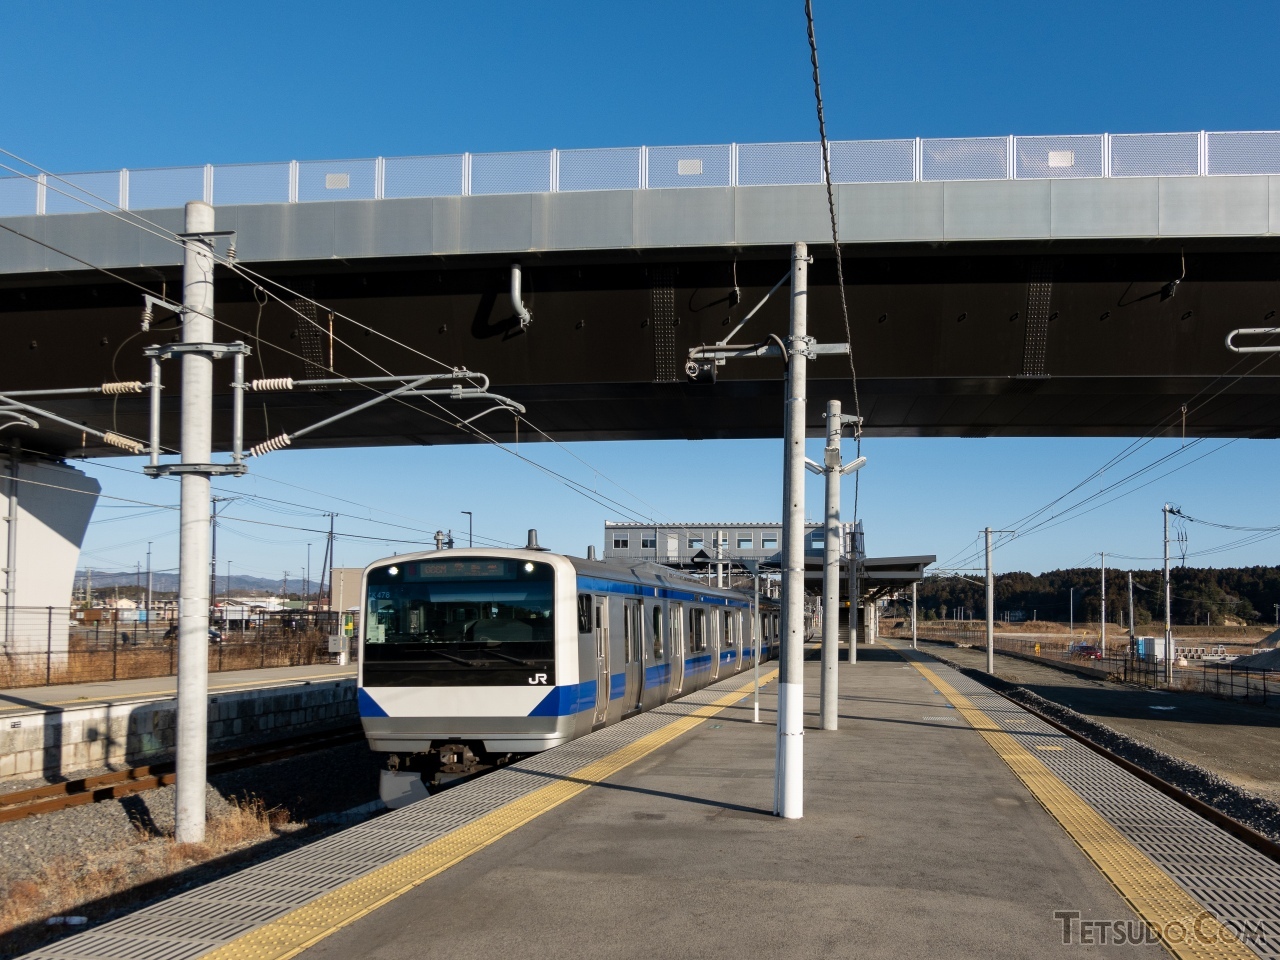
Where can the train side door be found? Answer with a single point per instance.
(677, 648)
(633, 653)
(602, 660)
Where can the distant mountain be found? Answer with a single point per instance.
(168, 582)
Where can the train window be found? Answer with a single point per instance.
(657, 632)
(697, 630)
(728, 632)
(584, 613)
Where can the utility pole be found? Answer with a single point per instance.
(833, 470)
(1071, 603)
(1168, 604)
(471, 537)
(194, 549)
(789, 770)
(1132, 632)
(306, 593)
(991, 604)
(991, 625)
(327, 566)
(1103, 635)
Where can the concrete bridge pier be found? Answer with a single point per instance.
(45, 507)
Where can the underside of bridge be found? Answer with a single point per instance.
(972, 339)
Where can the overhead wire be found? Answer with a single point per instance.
(835, 243)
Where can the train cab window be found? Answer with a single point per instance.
(584, 613)
(697, 630)
(657, 632)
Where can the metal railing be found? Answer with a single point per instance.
(51, 646)
(1214, 678)
(1206, 153)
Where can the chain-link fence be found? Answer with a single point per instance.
(55, 645)
(1230, 153)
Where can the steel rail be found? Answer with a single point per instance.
(20, 804)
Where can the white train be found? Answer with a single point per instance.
(471, 658)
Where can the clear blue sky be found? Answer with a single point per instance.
(90, 86)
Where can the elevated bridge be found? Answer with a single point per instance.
(1023, 286)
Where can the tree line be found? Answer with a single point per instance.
(1232, 595)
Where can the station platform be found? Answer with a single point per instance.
(940, 820)
(101, 693)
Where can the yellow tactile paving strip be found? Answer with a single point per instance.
(299, 929)
(1190, 930)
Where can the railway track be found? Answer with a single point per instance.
(20, 804)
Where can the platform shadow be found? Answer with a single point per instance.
(663, 794)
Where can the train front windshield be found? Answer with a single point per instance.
(474, 622)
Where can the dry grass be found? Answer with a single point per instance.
(66, 885)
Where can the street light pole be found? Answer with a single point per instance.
(471, 539)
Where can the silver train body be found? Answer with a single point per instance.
(468, 658)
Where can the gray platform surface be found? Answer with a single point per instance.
(917, 841)
(59, 697)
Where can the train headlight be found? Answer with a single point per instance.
(528, 568)
(393, 570)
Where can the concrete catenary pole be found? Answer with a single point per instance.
(853, 594)
(1132, 630)
(1102, 635)
(915, 645)
(789, 770)
(831, 574)
(757, 639)
(991, 618)
(1168, 605)
(149, 587)
(193, 552)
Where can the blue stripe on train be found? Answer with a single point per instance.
(567, 700)
(657, 675)
(617, 685)
(368, 706)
